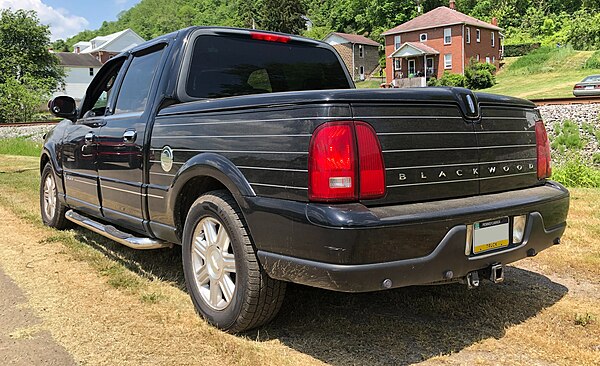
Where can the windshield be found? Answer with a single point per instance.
(229, 66)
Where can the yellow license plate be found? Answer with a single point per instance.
(490, 235)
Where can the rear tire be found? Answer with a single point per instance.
(223, 276)
(52, 209)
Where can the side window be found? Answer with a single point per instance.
(100, 89)
(134, 91)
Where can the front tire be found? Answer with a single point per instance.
(225, 281)
(52, 210)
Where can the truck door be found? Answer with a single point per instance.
(80, 149)
(121, 141)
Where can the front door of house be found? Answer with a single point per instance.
(411, 67)
(430, 70)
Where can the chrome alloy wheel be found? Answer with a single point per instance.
(213, 263)
(49, 197)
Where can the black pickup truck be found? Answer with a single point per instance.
(254, 152)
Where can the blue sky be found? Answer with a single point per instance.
(67, 17)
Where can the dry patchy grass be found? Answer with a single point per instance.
(108, 304)
(578, 255)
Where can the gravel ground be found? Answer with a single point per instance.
(34, 133)
(580, 114)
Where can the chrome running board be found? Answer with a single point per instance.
(115, 234)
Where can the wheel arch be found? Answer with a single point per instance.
(204, 173)
(48, 156)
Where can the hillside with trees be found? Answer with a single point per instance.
(548, 22)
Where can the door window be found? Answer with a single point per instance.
(134, 92)
(100, 89)
(411, 67)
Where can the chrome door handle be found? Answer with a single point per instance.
(129, 136)
(89, 138)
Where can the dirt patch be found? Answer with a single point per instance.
(23, 339)
(101, 325)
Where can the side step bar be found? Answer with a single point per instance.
(115, 234)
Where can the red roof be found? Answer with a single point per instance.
(442, 16)
(354, 38)
(423, 47)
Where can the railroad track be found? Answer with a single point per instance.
(562, 101)
(26, 124)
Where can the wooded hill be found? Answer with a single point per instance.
(548, 22)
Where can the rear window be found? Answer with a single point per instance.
(229, 66)
(592, 78)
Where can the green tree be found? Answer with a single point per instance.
(28, 72)
(283, 16)
(60, 46)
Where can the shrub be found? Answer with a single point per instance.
(596, 158)
(480, 75)
(566, 137)
(575, 172)
(513, 50)
(449, 79)
(593, 62)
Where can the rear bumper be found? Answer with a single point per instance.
(352, 248)
(586, 93)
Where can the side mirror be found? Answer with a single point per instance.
(63, 107)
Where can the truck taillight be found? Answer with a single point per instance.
(345, 163)
(544, 168)
(370, 162)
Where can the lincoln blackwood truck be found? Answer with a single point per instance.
(256, 154)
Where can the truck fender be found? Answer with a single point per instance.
(49, 155)
(214, 166)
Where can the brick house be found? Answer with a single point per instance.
(360, 54)
(443, 39)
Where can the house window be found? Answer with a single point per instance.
(494, 60)
(493, 39)
(448, 61)
(91, 71)
(478, 58)
(361, 51)
(397, 65)
(397, 42)
(468, 35)
(478, 35)
(487, 60)
(361, 72)
(447, 35)
(423, 37)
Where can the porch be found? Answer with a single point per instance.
(413, 64)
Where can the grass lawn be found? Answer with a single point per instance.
(542, 85)
(20, 146)
(369, 84)
(108, 304)
(547, 75)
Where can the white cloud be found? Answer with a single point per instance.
(62, 24)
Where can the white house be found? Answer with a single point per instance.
(80, 69)
(105, 47)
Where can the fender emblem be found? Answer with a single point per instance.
(166, 158)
